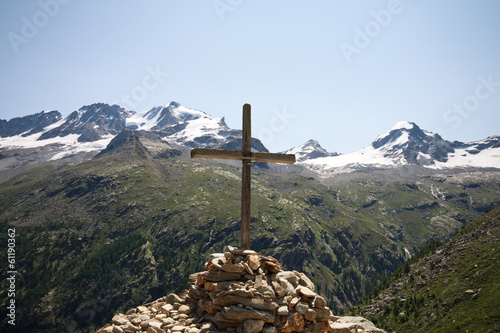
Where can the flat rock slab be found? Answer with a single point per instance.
(255, 303)
(241, 314)
(353, 324)
(219, 276)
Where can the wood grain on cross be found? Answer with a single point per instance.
(246, 156)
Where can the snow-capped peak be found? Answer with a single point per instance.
(309, 150)
(92, 127)
(161, 117)
(399, 129)
(186, 114)
(172, 104)
(407, 144)
(403, 125)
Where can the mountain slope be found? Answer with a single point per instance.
(132, 223)
(28, 125)
(126, 226)
(456, 287)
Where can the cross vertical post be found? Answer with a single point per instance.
(246, 178)
(246, 156)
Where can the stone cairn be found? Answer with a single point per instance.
(240, 291)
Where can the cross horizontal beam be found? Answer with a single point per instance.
(246, 156)
(228, 154)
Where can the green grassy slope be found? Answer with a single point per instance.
(132, 224)
(454, 288)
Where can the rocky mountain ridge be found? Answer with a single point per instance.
(90, 123)
(89, 129)
(98, 122)
(406, 144)
(129, 226)
(47, 138)
(28, 125)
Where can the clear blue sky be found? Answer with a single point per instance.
(341, 72)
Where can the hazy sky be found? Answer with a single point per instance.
(341, 72)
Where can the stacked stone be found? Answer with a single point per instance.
(239, 291)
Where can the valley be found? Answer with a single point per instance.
(131, 224)
(116, 213)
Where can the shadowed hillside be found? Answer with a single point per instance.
(130, 225)
(450, 288)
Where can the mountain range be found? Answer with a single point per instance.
(110, 211)
(407, 144)
(89, 129)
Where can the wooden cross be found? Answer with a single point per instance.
(246, 156)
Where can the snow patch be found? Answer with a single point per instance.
(83, 147)
(31, 141)
(487, 158)
(398, 126)
(142, 120)
(407, 253)
(199, 127)
(182, 111)
(365, 156)
(402, 125)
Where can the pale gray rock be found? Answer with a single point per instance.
(301, 307)
(283, 310)
(253, 326)
(269, 329)
(355, 323)
(305, 281)
(290, 277)
(120, 319)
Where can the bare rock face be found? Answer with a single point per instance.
(240, 291)
(355, 324)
